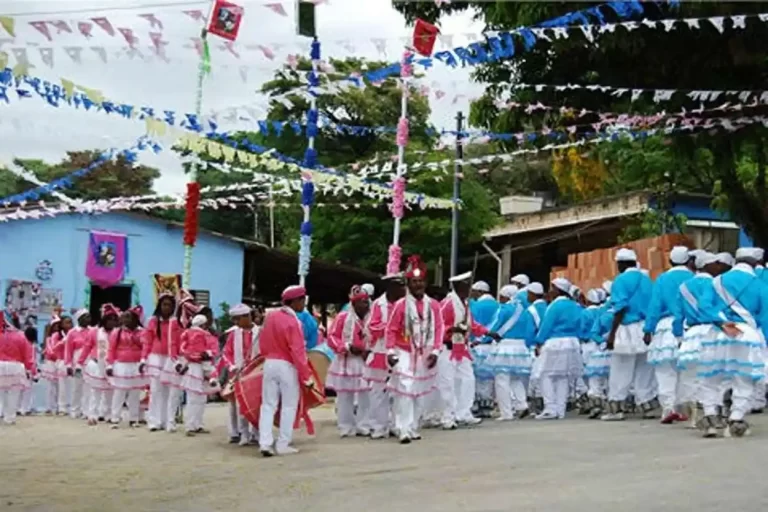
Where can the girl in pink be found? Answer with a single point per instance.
(125, 370)
(50, 370)
(93, 360)
(74, 345)
(199, 348)
(349, 340)
(162, 333)
(17, 367)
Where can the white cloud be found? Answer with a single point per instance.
(29, 128)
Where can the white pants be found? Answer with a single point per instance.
(484, 389)
(456, 383)
(238, 425)
(350, 421)
(10, 404)
(758, 399)
(105, 406)
(510, 394)
(98, 404)
(193, 411)
(119, 396)
(554, 390)
(76, 397)
(378, 408)
(53, 396)
(711, 393)
(63, 394)
(25, 404)
(281, 386)
(163, 403)
(675, 387)
(407, 413)
(631, 371)
(362, 406)
(597, 387)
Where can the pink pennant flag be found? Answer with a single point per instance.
(129, 37)
(195, 15)
(439, 94)
(105, 25)
(46, 55)
(159, 44)
(85, 28)
(267, 52)
(277, 8)
(74, 53)
(153, 21)
(61, 26)
(101, 52)
(229, 46)
(42, 27)
(197, 44)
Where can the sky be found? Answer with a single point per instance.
(30, 128)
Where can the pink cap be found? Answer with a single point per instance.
(294, 292)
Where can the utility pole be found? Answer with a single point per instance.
(456, 194)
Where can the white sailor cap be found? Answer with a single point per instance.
(535, 288)
(199, 320)
(625, 254)
(369, 289)
(705, 259)
(593, 296)
(79, 314)
(509, 291)
(607, 285)
(481, 286)
(239, 310)
(602, 294)
(679, 255)
(396, 277)
(725, 258)
(522, 279)
(754, 253)
(462, 277)
(574, 291)
(562, 284)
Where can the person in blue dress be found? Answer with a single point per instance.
(537, 306)
(521, 282)
(630, 296)
(483, 307)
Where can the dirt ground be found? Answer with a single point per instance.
(59, 464)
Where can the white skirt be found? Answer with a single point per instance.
(346, 374)
(411, 377)
(13, 375)
(663, 348)
(510, 357)
(561, 357)
(730, 357)
(597, 362)
(52, 370)
(196, 379)
(689, 353)
(95, 376)
(155, 365)
(127, 376)
(169, 376)
(480, 356)
(629, 339)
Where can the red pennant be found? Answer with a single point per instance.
(153, 21)
(195, 15)
(277, 8)
(42, 27)
(105, 25)
(226, 19)
(129, 37)
(61, 26)
(85, 28)
(424, 35)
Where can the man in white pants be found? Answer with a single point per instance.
(630, 296)
(281, 342)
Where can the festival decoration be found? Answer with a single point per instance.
(44, 270)
(310, 160)
(192, 213)
(424, 36)
(166, 283)
(107, 258)
(225, 19)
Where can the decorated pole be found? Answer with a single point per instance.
(310, 160)
(224, 21)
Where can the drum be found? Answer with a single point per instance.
(248, 392)
(321, 357)
(228, 391)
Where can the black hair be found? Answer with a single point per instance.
(15, 321)
(156, 313)
(103, 321)
(31, 334)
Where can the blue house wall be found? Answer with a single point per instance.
(700, 208)
(153, 247)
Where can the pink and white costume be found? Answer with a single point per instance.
(345, 375)
(55, 371)
(16, 366)
(414, 331)
(199, 347)
(376, 371)
(28, 394)
(93, 360)
(124, 360)
(235, 355)
(160, 355)
(74, 347)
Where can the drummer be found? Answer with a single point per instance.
(236, 354)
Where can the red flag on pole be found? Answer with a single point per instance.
(225, 19)
(424, 35)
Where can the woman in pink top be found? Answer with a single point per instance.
(349, 339)
(199, 348)
(16, 368)
(93, 359)
(162, 336)
(50, 371)
(59, 353)
(74, 344)
(125, 371)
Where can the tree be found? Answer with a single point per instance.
(730, 165)
(111, 179)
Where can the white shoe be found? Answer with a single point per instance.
(244, 441)
(377, 435)
(450, 425)
(617, 416)
(346, 433)
(286, 450)
(471, 421)
(170, 429)
(546, 415)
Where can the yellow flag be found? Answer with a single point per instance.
(242, 156)
(196, 143)
(3, 60)
(9, 24)
(21, 69)
(68, 86)
(229, 153)
(150, 126)
(214, 149)
(253, 159)
(182, 142)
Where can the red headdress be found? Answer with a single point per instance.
(139, 312)
(186, 307)
(109, 309)
(415, 268)
(357, 293)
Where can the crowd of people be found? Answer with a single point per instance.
(404, 361)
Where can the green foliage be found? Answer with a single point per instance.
(651, 223)
(223, 321)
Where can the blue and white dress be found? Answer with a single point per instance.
(483, 311)
(659, 317)
(693, 313)
(598, 363)
(512, 355)
(631, 293)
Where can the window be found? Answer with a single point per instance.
(713, 236)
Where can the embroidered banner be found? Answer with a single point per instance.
(107, 258)
(166, 283)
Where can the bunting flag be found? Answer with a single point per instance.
(107, 258)
(225, 19)
(9, 25)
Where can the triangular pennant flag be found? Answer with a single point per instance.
(74, 53)
(228, 152)
(104, 24)
(267, 52)
(46, 55)
(61, 26)
(739, 21)
(21, 69)
(101, 52)
(195, 15)
(153, 21)
(214, 149)
(3, 60)
(42, 27)
(277, 8)
(9, 24)
(242, 156)
(85, 28)
(68, 86)
(717, 22)
(128, 36)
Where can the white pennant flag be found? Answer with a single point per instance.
(243, 73)
(669, 24)
(380, 44)
(629, 25)
(718, 22)
(541, 33)
(101, 52)
(46, 54)
(74, 53)
(763, 17)
(636, 94)
(587, 30)
(692, 22)
(446, 40)
(662, 95)
(560, 33)
(607, 28)
(739, 21)
(648, 23)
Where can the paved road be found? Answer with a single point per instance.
(58, 464)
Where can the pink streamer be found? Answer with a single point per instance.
(402, 132)
(398, 198)
(406, 69)
(395, 255)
